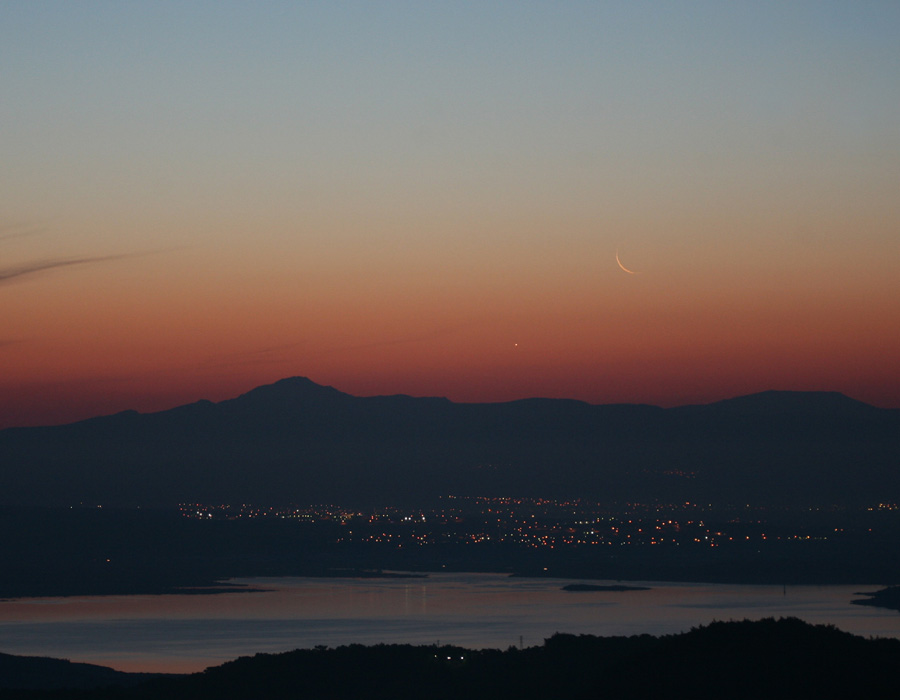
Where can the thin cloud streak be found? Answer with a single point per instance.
(10, 274)
(29, 268)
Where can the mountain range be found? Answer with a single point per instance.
(295, 441)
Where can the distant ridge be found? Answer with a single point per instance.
(795, 402)
(297, 390)
(298, 441)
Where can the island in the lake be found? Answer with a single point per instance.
(615, 588)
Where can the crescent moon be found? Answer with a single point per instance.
(630, 272)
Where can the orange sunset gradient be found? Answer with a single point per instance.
(430, 202)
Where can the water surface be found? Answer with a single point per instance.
(179, 633)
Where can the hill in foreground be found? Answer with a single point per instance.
(786, 658)
(43, 673)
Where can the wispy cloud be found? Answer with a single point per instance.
(277, 354)
(16, 231)
(11, 273)
(406, 340)
(287, 353)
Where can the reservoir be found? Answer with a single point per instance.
(186, 633)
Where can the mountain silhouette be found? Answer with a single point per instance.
(295, 441)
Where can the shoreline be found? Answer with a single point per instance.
(887, 598)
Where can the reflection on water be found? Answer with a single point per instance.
(181, 633)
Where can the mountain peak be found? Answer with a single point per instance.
(290, 389)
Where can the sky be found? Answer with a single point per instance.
(430, 198)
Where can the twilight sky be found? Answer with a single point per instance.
(428, 198)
